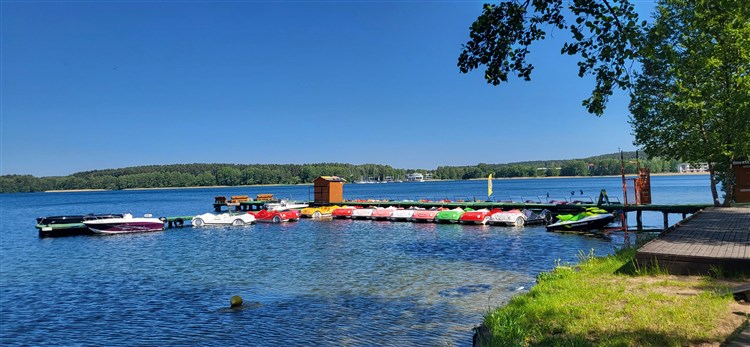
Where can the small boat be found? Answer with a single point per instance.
(481, 216)
(362, 213)
(517, 217)
(450, 216)
(125, 224)
(403, 215)
(270, 216)
(223, 219)
(592, 218)
(382, 213)
(424, 215)
(74, 218)
(284, 205)
(54, 226)
(318, 212)
(343, 212)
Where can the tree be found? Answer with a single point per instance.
(228, 176)
(574, 168)
(606, 35)
(689, 102)
(692, 99)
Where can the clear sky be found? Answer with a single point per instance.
(97, 85)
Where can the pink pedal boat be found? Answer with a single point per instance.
(424, 215)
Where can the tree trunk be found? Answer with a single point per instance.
(729, 182)
(714, 193)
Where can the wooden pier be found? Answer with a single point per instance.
(716, 239)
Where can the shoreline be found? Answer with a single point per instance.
(310, 184)
(167, 188)
(605, 176)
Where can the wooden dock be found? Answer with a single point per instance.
(716, 239)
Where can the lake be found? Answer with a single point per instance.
(330, 283)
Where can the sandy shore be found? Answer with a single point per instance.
(75, 190)
(163, 188)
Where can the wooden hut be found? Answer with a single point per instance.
(328, 190)
(742, 187)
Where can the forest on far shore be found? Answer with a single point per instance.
(203, 175)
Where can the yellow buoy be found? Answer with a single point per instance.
(235, 301)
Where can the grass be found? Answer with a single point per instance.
(608, 301)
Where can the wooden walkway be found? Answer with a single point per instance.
(711, 239)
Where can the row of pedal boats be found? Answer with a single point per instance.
(592, 218)
(457, 215)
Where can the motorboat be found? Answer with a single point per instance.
(343, 212)
(223, 219)
(125, 224)
(74, 219)
(362, 213)
(592, 218)
(54, 226)
(450, 216)
(517, 217)
(424, 215)
(318, 212)
(481, 216)
(403, 215)
(382, 213)
(284, 205)
(271, 216)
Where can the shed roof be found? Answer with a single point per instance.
(331, 178)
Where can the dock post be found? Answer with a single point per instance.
(666, 220)
(684, 215)
(639, 219)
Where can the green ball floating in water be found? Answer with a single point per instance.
(235, 301)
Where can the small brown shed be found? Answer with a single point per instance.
(328, 189)
(742, 174)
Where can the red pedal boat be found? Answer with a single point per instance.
(272, 216)
(343, 212)
(478, 217)
(424, 215)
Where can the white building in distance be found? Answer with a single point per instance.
(685, 167)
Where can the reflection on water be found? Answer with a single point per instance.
(331, 282)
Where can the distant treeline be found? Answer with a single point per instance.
(201, 175)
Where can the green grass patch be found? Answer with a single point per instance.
(608, 301)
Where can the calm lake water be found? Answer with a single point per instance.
(330, 283)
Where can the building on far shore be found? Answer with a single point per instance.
(414, 177)
(686, 167)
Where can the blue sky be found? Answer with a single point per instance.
(96, 85)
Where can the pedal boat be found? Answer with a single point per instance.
(362, 213)
(209, 219)
(517, 217)
(481, 216)
(343, 212)
(318, 212)
(450, 216)
(270, 216)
